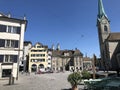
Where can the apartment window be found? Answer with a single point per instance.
(10, 58)
(3, 28)
(2, 42)
(7, 43)
(11, 43)
(32, 55)
(9, 29)
(14, 43)
(14, 30)
(18, 30)
(1, 58)
(7, 58)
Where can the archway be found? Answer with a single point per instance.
(33, 68)
(41, 67)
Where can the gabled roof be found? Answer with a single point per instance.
(60, 53)
(114, 37)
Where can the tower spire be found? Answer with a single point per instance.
(101, 11)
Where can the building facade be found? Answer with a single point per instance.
(38, 58)
(67, 60)
(25, 61)
(49, 67)
(11, 44)
(109, 42)
(87, 63)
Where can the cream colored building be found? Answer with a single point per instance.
(38, 58)
(11, 44)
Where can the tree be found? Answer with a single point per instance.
(74, 79)
(85, 74)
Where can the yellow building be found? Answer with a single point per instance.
(38, 58)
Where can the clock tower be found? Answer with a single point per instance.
(103, 25)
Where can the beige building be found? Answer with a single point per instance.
(38, 58)
(87, 63)
(67, 60)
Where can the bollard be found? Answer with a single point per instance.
(12, 80)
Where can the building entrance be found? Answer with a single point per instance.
(6, 72)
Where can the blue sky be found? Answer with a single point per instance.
(72, 23)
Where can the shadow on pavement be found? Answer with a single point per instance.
(9, 84)
(67, 89)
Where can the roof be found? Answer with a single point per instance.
(114, 37)
(61, 53)
(87, 59)
(8, 18)
(27, 42)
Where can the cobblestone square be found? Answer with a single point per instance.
(51, 81)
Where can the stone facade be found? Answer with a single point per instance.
(109, 42)
(67, 60)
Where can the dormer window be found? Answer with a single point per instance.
(105, 28)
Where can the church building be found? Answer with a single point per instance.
(109, 41)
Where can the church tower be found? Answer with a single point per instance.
(103, 25)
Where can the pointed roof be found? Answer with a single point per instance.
(101, 11)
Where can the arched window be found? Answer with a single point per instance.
(41, 66)
(105, 28)
(33, 68)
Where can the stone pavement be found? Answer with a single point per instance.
(52, 81)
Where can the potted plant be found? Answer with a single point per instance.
(74, 79)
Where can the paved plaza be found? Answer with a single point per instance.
(52, 81)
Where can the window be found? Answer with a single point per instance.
(10, 58)
(32, 55)
(13, 29)
(49, 63)
(1, 58)
(11, 44)
(14, 43)
(6, 58)
(2, 43)
(105, 28)
(7, 43)
(9, 29)
(18, 30)
(3, 28)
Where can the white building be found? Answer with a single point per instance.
(49, 59)
(11, 44)
(26, 48)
